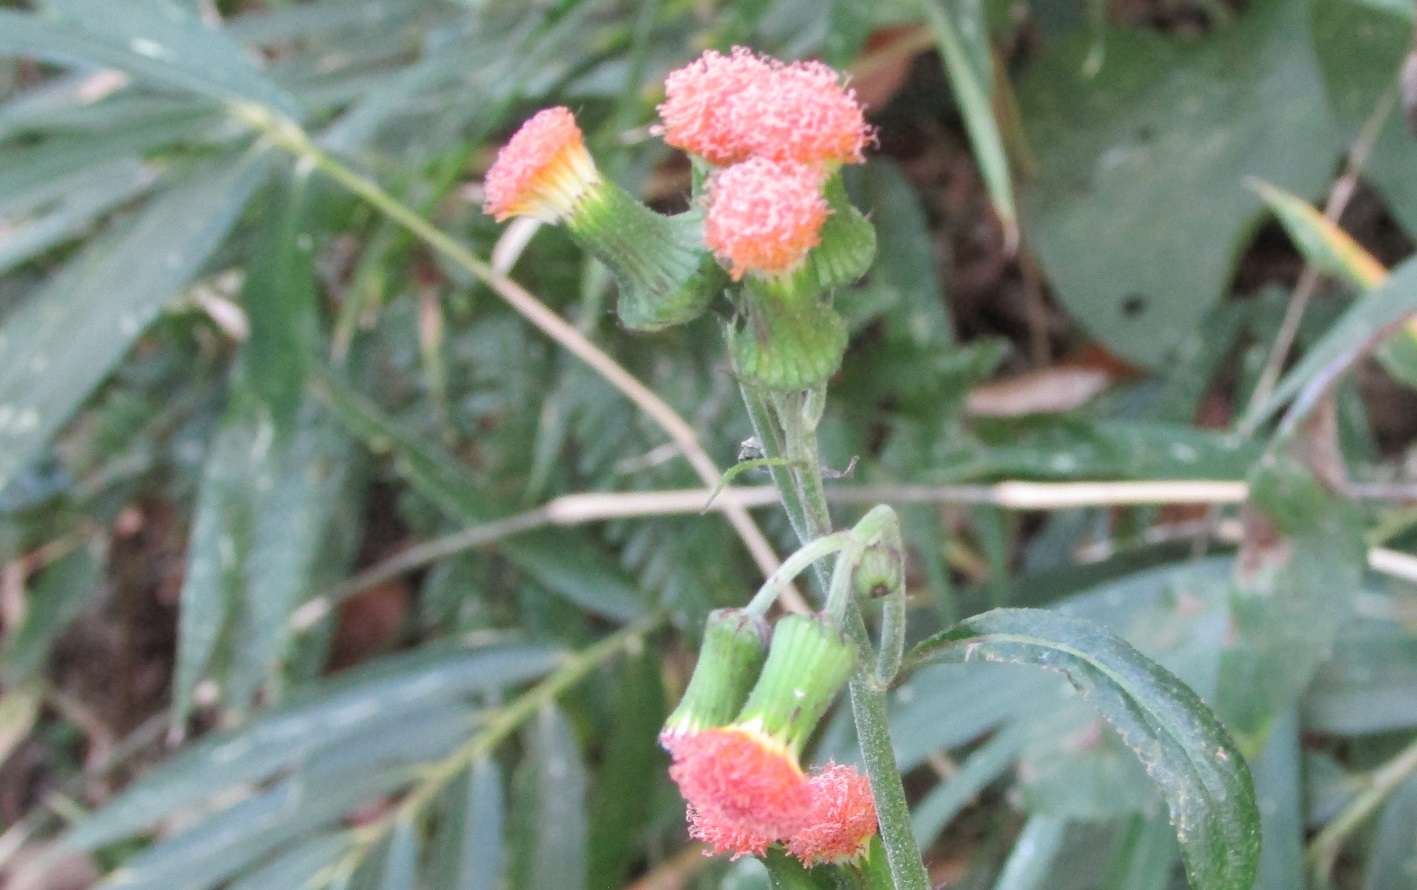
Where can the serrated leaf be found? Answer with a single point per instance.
(383, 695)
(1183, 747)
(158, 41)
(66, 338)
(1290, 597)
(1139, 197)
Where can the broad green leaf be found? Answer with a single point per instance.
(356, 705)
(1184, 748)
(963, 40)
(158, 41)
(1292, 593)
(1029, 864)
(66, 338)
(1375, 314)
(1139, 200)
(55, 599)
(548, 841)
(317, 20)
(1393, 860)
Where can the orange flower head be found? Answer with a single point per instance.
(544, 171)
(763, 215)
(744, 790)
(698, 107)
(842, 818)
(802, 113)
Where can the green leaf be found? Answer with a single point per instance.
(469, 851)
(295, 868)
(158, 41)
(357, 705)
(1370, 684)
(65, 339)
(963, 40)
(1144, 857)
(548, 843)
(401, 860)
(1375, 314)
(1184, 748)
(1360, 48)
(983, 766)
(567, 565)
(55, 600)
(1279, 788)
(65, 207)
(1290, 597)
(1139, 198)
(1031, 860)
(19, 709)
(1395, 848)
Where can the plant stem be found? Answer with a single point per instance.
(805, 491)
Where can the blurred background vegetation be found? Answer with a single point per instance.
(297, 588)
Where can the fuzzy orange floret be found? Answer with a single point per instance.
(842, 818)
(803, 113)
(698, 108)
(764, 216)
(744, 790)
(726, 109)
(724, 838)
(543, 171)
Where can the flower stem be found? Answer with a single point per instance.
(788, 430)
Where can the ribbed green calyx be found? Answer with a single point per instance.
(847, 248)
(808, 663)
(665, 273)
(792, 339)
(735, 646)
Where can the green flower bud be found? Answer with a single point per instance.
(880, 571)
(735, 646)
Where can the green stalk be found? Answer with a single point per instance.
(805, 493)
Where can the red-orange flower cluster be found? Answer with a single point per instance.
(744, 790)
(764, 215)
(841, 821)
(726, 109)
(543, 171)
(744, 793)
